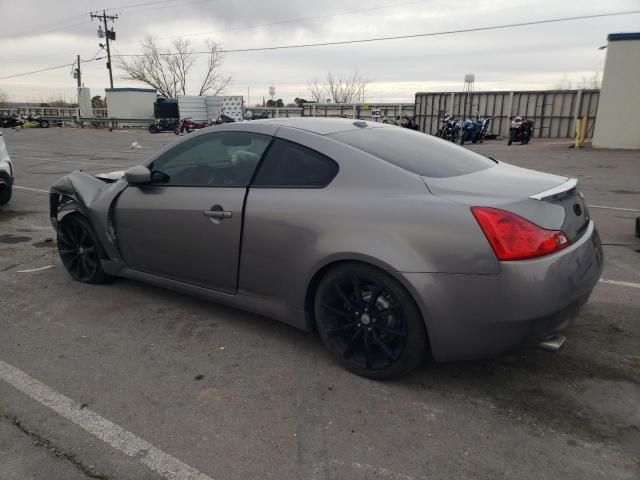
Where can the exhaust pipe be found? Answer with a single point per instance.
(552, 343)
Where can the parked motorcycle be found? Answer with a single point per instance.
(12, 121)
(163, 125)
(409, 123)
(186, 125)
(449, 129)
(222, 118)
(474, 130)
(521, 130)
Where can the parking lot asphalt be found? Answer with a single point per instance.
(128, 381)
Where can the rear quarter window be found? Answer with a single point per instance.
(289, 165)
(416, 152)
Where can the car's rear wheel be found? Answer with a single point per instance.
(79, 249)
(5, 194)
(369, 322)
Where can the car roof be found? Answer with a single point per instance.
(322, 125)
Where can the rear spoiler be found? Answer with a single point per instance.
(565, 187)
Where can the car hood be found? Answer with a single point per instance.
(110, 176)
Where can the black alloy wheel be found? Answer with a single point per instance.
(5, 194)
(369, 322)
(79, 249)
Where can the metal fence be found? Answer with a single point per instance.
(52, 112)
(350, 110)
(553, 111)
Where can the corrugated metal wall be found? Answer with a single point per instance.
(358, 110)
(553, 111)
(208, 107)
(192, 106)
(351, 110)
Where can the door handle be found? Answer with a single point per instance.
(217, 213)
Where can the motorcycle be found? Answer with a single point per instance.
(521, 130)
(409, 123)
(449, 129)
(162, 125)
(186, 125)
(222, 118)
(474, 130)
(12, 121)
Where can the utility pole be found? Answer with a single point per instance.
(109, 35)
(78, 73)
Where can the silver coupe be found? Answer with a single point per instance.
(390, 243)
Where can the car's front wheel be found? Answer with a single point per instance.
(79, 249)
(369, 321)
(5, 194)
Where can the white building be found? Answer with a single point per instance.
(130, 102)
(618, 118)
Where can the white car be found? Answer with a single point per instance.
(6, 173)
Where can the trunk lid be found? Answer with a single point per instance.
(550, 201)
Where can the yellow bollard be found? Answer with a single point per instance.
(581, 131)
(578, 129)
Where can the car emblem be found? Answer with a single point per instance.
(577, 209)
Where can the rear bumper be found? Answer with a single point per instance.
(482, 316)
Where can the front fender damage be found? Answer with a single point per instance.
(93, 198)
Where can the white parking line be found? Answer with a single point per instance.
(70, 161)
(30, 189)
(128, 443)
(622, 284)
(614, 208)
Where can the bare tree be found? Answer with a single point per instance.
(213, 82)
(3, 96)
(316, 90)
(169, 71)
(345, 88)
(339, 88)
(593, 82)
(563, 84)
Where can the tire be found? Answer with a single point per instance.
(153, 128)
(176, 130)
(44, 123)
(637, 226)
(512, 137)
(370, 343)
(80, 250)
(5, 194)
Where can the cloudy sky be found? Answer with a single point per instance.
(39, 34)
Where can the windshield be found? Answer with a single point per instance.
(416, 152)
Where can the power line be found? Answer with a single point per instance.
(37, 71)
(50, 68)
(376, 39)
(402, 37)
(152, 3)
(294, 20)
(40, 31)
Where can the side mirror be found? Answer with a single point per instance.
(137, 175)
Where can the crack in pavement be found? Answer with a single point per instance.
(41, 441)
(24, 262)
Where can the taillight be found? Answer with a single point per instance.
(515, 238)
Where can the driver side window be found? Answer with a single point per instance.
(221, 159)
